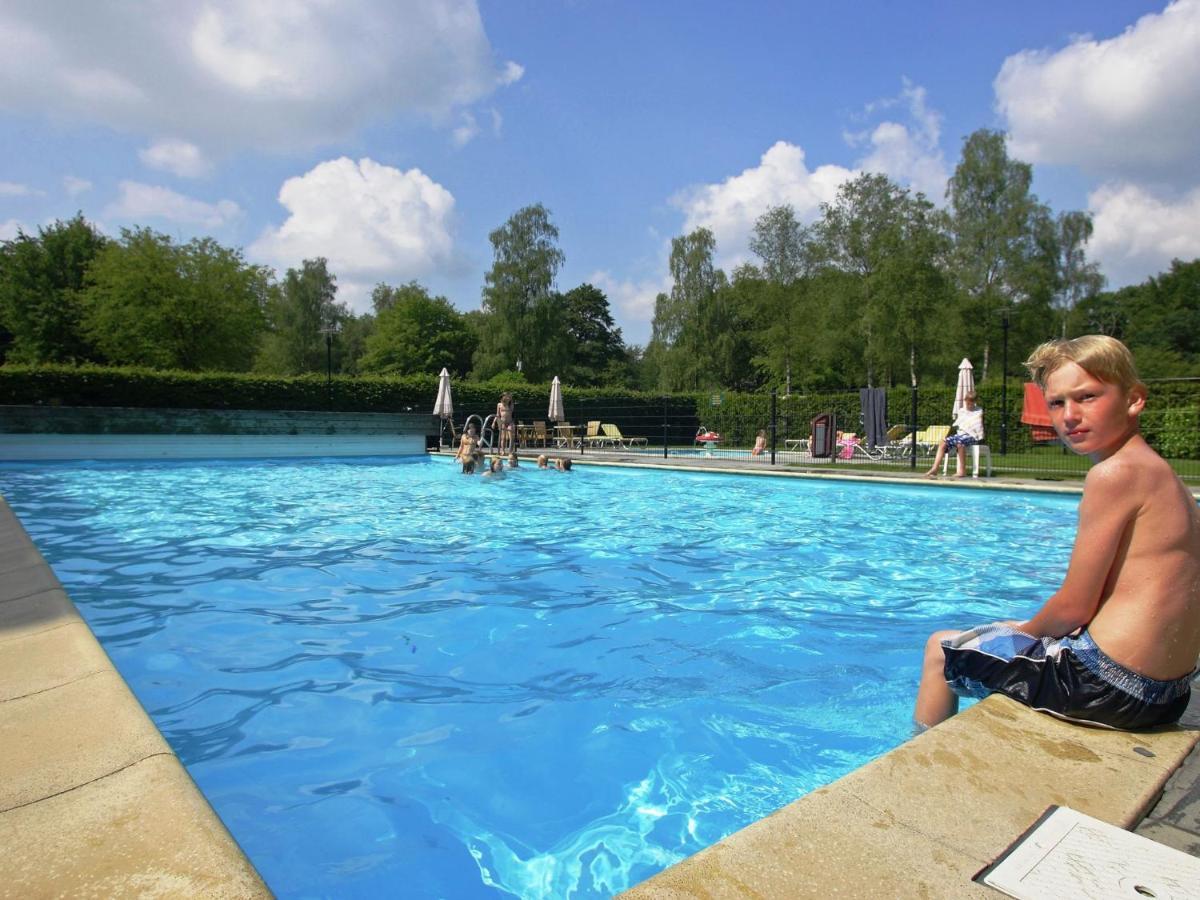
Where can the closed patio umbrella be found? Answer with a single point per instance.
(966, 385)
(443, 406)
(556, 414)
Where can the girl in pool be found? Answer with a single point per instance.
(760, 443)
(468, 449)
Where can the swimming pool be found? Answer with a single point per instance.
(389, 678)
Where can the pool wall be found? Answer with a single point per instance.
(55, 432)
(93, 802)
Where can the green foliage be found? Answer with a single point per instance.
(699, 335)
(296, 315)
(1175, 432)
(525, 319)
(595, 339)
(196, 306)
(41, 282)
(416, 333)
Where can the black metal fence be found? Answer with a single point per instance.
(826, 432)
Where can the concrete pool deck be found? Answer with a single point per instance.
(94, 802)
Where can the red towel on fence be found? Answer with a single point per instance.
(1035, 413)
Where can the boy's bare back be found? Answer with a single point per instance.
(1149, 611)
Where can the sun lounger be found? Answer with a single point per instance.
(614, 433)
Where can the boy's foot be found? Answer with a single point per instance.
(960, 474)
(932, 473)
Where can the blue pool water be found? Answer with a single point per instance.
(390, 679)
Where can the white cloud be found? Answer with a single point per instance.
(1138, 234)
(632, 302)
(9, 229)
(1128, 106)
(371, 221)
(226, 74)
(466, 131)
(12, 189)
(137, 201)
(177, 157)
(908, 155)
(75, 186)
(729, 209)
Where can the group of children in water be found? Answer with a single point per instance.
(471, 455)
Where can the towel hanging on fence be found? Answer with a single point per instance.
(874, 415)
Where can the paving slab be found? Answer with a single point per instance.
(58, 739)
(49, 659)
(144, 831)
(37, 612)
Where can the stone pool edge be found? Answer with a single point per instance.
(93, 801)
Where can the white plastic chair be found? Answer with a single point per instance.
(974, 448)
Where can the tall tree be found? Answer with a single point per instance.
(856, 234)
(41, 282)
(913, 292)
(1077, 278)
(786, 250)
(691, 328)
(596, 341)
(994, 222)
(304, 305)
(195, 306)
(416, 333)
(525, 320)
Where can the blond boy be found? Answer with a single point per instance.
(1117, 644)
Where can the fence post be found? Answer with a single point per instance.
(774, 394)
(664, 427)
(912, 463)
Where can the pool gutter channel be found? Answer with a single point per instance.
(93, 800)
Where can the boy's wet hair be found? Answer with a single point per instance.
(1099, 355)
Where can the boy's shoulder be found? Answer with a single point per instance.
(1131, 470)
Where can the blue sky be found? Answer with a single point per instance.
(392, 137)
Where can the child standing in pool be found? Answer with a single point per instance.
(467, 449)
(505, 424)
(1117, 644)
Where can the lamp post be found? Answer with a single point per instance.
(329, 331)
(1004, 387)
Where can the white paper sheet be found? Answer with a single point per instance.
(1070, 855)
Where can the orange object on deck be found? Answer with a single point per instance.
(1036, 414)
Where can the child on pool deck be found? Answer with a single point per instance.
(1117, 644)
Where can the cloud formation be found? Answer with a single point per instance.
(907, 152)
(223, 74)
(371, 221)
(1124, 110)
(632, 302)
(177, 157)
(136, 202)
(74, 186)
(1137, 234)
(1124, 107)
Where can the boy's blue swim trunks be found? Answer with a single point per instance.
(1068, 677)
